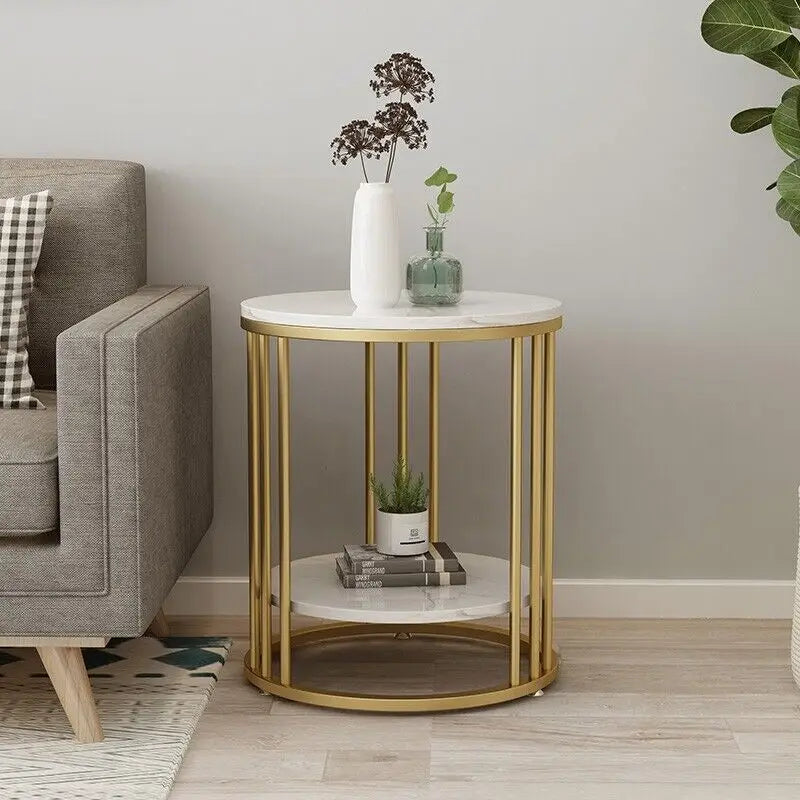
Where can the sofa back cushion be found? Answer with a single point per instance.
(94, 250)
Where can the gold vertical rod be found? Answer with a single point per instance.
(284, 511)
(265, 535)
(369, 439)
(433, 439)
(536, 476)
(254, 483)
(515, 557)
(402, 400)
(549, 490)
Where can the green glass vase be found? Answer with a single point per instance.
(434, 278)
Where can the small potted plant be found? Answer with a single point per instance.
(402, 521)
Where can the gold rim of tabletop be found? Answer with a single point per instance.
(482, 334)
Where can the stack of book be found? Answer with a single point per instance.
(361, 566)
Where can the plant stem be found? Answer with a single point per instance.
(392, 151)
(363, 167)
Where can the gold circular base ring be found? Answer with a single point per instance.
(400, 703)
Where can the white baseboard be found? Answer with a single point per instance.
(674, 599)
(574, 597)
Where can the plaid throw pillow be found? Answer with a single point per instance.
(22, 221)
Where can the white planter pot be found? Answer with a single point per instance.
(401, 534)
(376, 277)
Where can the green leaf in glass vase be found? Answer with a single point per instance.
(783, 58)
(789, 184)
(752, 119)
(785, 127)
(445, 201)
(742, 26)
(440, 177)
(787, 10)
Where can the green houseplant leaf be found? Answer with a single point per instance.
(788, 212)
(742, 26)
(788, 206)
(789, 184)
(785, 127)
(792, 91)
(787, 10)
(761, 30)
(441, 177)
(752, 119)
(783, 58)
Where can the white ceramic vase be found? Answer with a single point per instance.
(401, 534)
(376, 277)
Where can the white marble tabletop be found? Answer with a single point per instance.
(336, 310)
(317, 592)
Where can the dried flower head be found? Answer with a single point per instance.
(358, 138)
(401, 121)
(405, 74)
(402, 73)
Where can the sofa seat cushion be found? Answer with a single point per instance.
(29, 469)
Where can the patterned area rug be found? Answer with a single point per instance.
(150, 694)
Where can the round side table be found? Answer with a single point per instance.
(494, 586)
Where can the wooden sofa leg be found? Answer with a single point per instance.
(67, 673)
(159, 627)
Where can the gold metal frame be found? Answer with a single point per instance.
(265, 511)
(537, 499)
(433, 440)
(402, 401)
(256, 383)
(536, 644)
(369, 440)
(448, 701)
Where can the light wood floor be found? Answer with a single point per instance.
(643, 710)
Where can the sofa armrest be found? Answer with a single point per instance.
(134, 446)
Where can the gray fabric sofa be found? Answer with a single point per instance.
(105, 494)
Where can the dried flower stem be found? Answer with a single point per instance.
(390, 160)
(392, 150)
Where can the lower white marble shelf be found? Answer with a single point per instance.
(317, 592)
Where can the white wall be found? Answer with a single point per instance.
(596, 166)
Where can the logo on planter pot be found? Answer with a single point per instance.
(414, 533)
